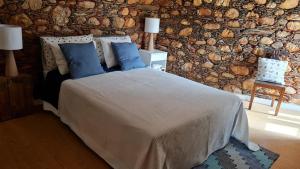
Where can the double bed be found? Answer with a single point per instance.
(139, 118)
(148, 119)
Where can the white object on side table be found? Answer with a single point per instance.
(154, 59)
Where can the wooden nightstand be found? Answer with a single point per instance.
(155, 59)
(16, 97)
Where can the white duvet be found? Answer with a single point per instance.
(147, 119)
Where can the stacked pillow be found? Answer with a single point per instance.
(82, 56)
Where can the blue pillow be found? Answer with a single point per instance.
(82, 59)
(127, 55)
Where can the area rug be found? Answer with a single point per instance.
(237, 156)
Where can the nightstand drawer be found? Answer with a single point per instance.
(158, 56)
(155, 59)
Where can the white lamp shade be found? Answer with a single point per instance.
(152, 25)
(10, 37)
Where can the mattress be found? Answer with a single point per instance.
(148, 119)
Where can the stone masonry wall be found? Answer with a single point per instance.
(218, 42)
(215, 42)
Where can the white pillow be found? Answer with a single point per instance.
(271, 70)
(60, 59)
(49, 60)
(108, 53)
(99, 49)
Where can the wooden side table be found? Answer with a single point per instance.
(16, 96)
(274, 86)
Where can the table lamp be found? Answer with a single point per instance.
(10, 39)
(151, 26)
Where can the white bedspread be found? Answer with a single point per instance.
(147, 119)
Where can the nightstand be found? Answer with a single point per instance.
(155, 59)
(16, 96)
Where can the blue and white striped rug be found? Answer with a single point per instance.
(237, 156)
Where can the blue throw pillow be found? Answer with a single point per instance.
(82, 59)
(127, 55)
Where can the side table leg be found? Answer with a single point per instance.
(279, 101)
(252, 96)
(273, 100)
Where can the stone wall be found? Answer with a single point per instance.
(218, 42)
(215, 42)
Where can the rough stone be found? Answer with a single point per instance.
(187, 67)
(261, 2)
(186, 32)
(279, 12)
(277, 45)
(211, 79)
(33, 4)
(132, 1)
(289, 4)
(21, 20)
(228, 75)
(240, 70)
(258, 51)
(61, 15)
(290, 90)
(249, 6)
(282, 34)
(266, 41)
(243, 41)
(171, 58)
(169, 30)
(1, 3)
(124, 11)
(297, 36)
(197, 2)
(223, 3)
(81, 20)
(293, 26)
(218, 14)
(93, 21)
(214, 57)
(41, 29)
(96, 32)
(176, 44)
(248, 84)
(129, 23)
(185, 22)
(105, 22)
(232, 13)
(207, 65)
(40, 22)
(292, 47)
(227, 34)
(211, 41)
(271, 5)
(87, 4)
(212, 26)
(267, 21)
(201, 51)
(204, 12)
(234, 24)
(118, 22)
(293, 17)
(232, 88)
(225, 48)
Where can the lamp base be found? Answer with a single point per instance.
(11, 69)
(151, 42)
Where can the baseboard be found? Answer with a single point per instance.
(288, 106)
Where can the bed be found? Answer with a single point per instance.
(147, 119)
(141, 118)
